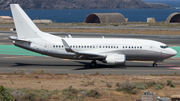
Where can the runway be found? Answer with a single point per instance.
(12, 63)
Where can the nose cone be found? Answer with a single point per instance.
(167, 53)
(173, 52)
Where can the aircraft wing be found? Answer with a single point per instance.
(87, 54)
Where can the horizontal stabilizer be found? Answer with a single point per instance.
(16, 39)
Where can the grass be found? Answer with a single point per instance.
(96, 87)
(108, 85)
(158, 86)
(175, 74)
(128, 24)
(73, 94)
(93, 93)
(112, 30)
(39, 72)
(5, 94)
(162, 24)
(25, 94)
(135, 88)
(45, 95)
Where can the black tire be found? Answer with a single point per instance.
(154, 65)
(93, 64)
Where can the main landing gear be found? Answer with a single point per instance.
(154, 64)
(93, 63)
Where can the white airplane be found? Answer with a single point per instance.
(112, 51)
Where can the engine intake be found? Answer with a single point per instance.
(116, 59)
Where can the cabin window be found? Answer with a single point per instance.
(99, 46)
(70, 46)
(129, 47)
(79, 46)
(73, 46)
(59, 46)
(132, 46)
(93, 46)
(137, 46)
(87, 46)
(84, 46)
(141, 47)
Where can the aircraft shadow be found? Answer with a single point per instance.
(27, 64)
(87, 66)
(98, 66)
(82, 65)
(150, 66)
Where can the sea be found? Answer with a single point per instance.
(79, 15)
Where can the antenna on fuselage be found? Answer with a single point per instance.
(69, 36)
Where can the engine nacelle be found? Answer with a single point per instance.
(116, 59)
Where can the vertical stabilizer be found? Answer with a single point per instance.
(24, 26)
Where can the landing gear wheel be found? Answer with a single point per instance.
(93, 63)
(154, 65)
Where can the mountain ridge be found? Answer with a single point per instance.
(82, 4)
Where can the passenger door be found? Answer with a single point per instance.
(46, 47)
(151, 48)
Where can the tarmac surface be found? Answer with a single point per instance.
(16, 62)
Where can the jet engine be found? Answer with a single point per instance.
(115, 59)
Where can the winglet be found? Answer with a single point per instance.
(16, 39)
(68, 49)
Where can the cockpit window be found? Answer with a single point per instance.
(164, 47)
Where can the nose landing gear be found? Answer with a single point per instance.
(154, 64)
(93, 63)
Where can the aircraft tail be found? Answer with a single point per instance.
(25, 27)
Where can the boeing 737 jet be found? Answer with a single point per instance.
(111, 51)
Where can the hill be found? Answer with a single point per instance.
(83, 4)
